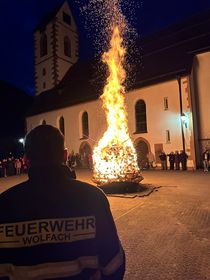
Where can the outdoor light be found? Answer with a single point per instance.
(184, 119)
(21, 140)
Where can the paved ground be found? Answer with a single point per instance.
(165, 235)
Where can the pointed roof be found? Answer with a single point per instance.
(48, 18)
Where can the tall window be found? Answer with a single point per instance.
(85, 126)
(168, 136)
(141, 117)
(66, 18)
(44, 122)
(165, 103)
(43, 45)
(67, 46)
(62, 125)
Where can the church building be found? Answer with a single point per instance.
(168, 105)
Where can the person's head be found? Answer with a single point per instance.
(44, 145)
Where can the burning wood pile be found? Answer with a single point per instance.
(114, 158)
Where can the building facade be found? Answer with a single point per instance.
(168, 106)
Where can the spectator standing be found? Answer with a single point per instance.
(24, 165)
(177, 160)
(18, 166)
(163, 159)
(151, 159)
(63, 228)
(71, 164)
(10, 167)
(206, 158)
(4, 166)
(183, 160)
(171, 157)
(90, 161)
(78, 160)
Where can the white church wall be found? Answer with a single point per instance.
(72, 119)
(159, 120)
(203, 90)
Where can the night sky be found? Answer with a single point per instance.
(19, 18)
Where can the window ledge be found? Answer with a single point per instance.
(140, 132)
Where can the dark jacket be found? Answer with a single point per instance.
(162, 156)
(183, 157)
(54, 227)
(206, 156)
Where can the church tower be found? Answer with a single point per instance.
(56, 48)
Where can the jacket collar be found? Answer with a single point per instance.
(50, 173)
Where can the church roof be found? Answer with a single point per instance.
(164, 56)
(170, 52)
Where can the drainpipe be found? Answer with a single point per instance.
(181, 112)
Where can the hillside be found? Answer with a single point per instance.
(13, 106)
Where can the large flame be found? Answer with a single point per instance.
(115, 159)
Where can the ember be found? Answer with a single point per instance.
(115, 159)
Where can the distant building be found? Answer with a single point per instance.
(168, 105)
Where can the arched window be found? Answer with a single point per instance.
(141, 117)
(85, 126)
(44, 122)
(67, 46)
(62, 125)
(43, 45)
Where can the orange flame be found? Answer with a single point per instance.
(115, 159)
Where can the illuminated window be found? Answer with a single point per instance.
(165, 103)
(67, 46)
(85, 126)
(43, 45)
(141, 117)
(62, 125)
(66, 18)
(168, 137)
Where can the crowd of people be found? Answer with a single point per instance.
(12, 166)
(173, 161)
(177, 160)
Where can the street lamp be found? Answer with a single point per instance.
(184, 119)
(21, 140)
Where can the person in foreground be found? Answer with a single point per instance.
(55, 227)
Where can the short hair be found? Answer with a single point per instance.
(44, 145)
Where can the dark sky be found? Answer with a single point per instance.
(19, 18)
